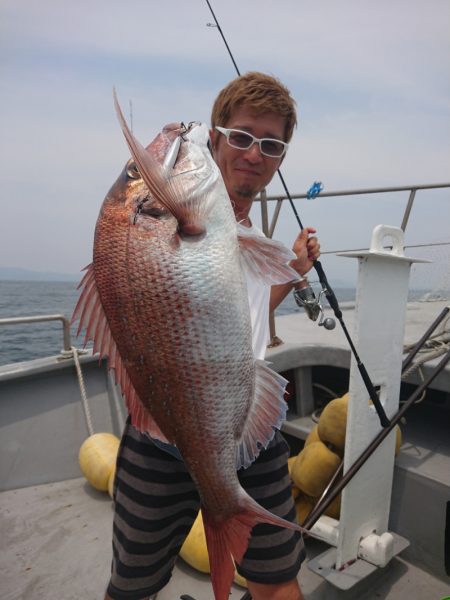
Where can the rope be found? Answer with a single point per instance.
(429, 355)
(437, 345)
(84, 400)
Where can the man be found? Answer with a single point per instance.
(253, 119)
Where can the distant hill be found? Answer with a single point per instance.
(15, 274)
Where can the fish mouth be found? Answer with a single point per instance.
(147, 206)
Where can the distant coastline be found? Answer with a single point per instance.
(17, 274)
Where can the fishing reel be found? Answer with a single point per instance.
(306, 299)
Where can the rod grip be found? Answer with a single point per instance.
(373, 395)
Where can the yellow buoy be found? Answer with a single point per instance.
(97, 458)
(195, 552)
(303, 507)
(334, 510)
(291, 462)
(313, 436)
(333, 423)
(398, 439)
(240, 580)
(314, 467)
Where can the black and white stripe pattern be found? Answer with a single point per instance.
(156, 503)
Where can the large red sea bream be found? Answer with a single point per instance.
(166, 302)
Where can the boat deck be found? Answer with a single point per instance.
(56, 544)
(56, 537)
(297, 328)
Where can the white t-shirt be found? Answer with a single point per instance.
(259, 299)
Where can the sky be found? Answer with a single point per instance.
(371, 80)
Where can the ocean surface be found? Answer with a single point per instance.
(31, 298)
(35, 340)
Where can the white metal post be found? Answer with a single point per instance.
(381, 299)
(379, 330)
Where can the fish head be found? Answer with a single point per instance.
(129, 198)
(186, 182)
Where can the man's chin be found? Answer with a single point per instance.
(246, 191)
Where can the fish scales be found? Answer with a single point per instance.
(192, 321)
(176, 310)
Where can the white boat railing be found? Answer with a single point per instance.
(43, 318)
(279, 199)
(269, 227)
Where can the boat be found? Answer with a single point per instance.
(56, 528)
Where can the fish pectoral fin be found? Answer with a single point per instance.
(267, 413)
(89, 311)
(266, 258)
(190, 208)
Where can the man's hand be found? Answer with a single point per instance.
(307, 250)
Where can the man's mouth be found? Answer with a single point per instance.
(248, 171)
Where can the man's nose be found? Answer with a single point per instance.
(254, 153)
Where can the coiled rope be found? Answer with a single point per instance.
(437, 345)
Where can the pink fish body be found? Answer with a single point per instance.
(165, 300)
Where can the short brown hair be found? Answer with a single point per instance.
(258, 92)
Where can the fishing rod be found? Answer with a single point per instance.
(306, 297)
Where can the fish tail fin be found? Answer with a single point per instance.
(227, 541)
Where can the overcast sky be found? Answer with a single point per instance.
(370, 77)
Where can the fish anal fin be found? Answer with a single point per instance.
(267, 413)
(266, 258)
(89, 310)
(141, 418)
(227, 541)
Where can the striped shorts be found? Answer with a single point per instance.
(156, 503)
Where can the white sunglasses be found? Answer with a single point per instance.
(244, 140)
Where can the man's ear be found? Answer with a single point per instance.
(212, 139)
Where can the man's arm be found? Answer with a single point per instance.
(279, 292)
(307, 250)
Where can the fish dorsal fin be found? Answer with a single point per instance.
(266, 258)
(266, 414)
(189, 206)
(92, 317)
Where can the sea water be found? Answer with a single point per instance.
(31, 298)
(35, 340)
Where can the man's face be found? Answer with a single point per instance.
(247, 172)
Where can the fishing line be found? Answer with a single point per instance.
(328, 291)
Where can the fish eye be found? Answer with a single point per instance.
(133, 171)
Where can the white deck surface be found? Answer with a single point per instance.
(56, 545)
(297, 328)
